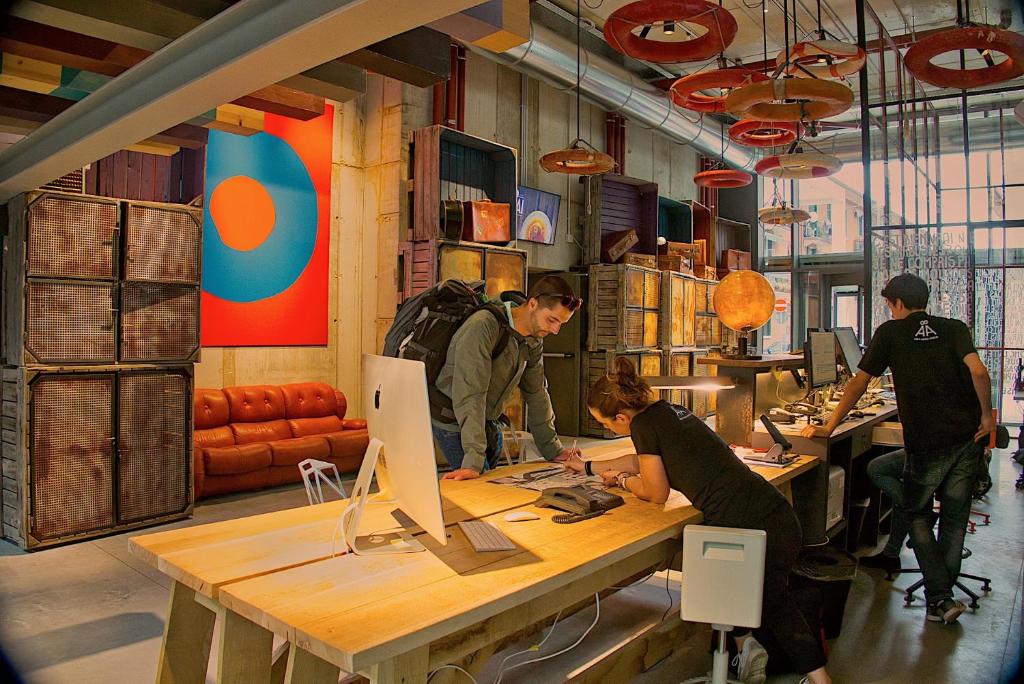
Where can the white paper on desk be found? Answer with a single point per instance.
(676, 500)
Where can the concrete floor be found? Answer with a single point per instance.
(90, 612)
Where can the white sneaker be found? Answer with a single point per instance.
(751, 661)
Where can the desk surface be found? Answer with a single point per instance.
(765, 363)
(355, 611)
(883, 413)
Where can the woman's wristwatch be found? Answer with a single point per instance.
(621, 479)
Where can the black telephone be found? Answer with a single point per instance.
(580, 501)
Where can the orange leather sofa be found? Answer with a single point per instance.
(251, 437)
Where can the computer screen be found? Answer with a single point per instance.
(850, 348)
(820, 358)
(398, 420)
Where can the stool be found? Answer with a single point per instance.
(316, 471)
(723, 584)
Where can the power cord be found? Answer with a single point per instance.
(597, 616)
(453, 667)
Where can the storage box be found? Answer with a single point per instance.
(737, 260)
(645, 260)
(598, 363)
(451, 165)
(676, 323)
(486, 221)
(674, 262)
(623, 307)
(836, 487)
(615, 245)
(616, 203)
(676, 362)
(425, 263)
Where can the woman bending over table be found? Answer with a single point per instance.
(677, 450)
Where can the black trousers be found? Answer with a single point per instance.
(783, 627)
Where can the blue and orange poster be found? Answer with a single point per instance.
(266, 241)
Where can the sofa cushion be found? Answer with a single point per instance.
(246, 433)
(210, 408)
(213, 437)
(290, 452)
(255, 403)
(354, 424)
(235, 460)
(348, 443)
(309, 400)
(303, 427)
(342, 402)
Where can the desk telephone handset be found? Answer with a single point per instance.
(580, 502)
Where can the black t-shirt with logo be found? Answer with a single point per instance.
(937, 402)
(703, 467)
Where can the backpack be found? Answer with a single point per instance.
(425, 324)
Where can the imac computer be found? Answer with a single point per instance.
(849, 347)
(402, 446)
(820, 358)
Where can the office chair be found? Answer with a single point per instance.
(723, 584)
(986, 582)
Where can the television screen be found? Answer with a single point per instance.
(538, 215)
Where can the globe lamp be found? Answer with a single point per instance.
(744, 301)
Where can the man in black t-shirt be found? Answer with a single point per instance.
(944, 395)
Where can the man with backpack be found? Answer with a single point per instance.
(494, 350)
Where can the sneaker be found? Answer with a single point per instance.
(891, 564)
(946, 611)
(750, 662)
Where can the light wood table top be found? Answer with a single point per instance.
(358, 611)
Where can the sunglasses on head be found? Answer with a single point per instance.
(570, 302)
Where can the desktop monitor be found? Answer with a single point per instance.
(820, 358)
(398, 420)
(849, 347)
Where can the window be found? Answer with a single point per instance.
(776, 336)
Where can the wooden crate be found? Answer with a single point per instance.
(645, 260)
(727, 235)
(705, 330)
(424, 264)
(449, 164)
(678, 299)
(617, 203)
(677, 362)
(699, 401)
(682, 221)
(623, 307)
(598, 363)
(110, 436)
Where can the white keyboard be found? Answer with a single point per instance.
(486, 537)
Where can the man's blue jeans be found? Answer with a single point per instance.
(450, 443)
(886, 472)
(949, 473)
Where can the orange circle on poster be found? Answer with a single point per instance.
(243, 212)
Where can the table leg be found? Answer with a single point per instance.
(244, 651)
(188, 634)
(279, 663)
(306, 668)
(408, 668)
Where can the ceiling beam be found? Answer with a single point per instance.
(252, 45)
(59, 46)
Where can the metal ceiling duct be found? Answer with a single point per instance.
(551, 58)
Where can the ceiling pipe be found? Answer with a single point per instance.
(551, 58)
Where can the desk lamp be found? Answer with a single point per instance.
(744, 301)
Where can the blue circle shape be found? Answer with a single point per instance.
(272, 267)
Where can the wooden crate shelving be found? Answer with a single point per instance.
(726, 234)
(676, 325)
(425, 263)
(682, 221)
(677, 362)
(616, 203)
(449, 164)
(623, 308)
(598, 363)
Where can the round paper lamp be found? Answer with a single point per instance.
(744, 301)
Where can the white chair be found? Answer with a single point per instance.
(520, 444)
(314, 474)
(723, 584)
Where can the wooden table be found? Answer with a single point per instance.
(394, 617)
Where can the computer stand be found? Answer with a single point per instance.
(353, 513)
